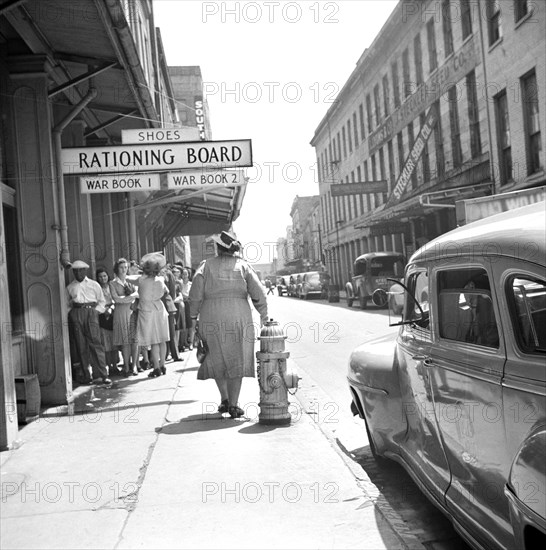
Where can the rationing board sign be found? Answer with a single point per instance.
(119, 183)
(157, 157)
(204, 178)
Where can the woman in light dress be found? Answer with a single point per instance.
(153, 319)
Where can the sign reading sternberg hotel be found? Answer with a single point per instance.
(453, 70)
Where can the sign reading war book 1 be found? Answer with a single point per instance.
(119, 183)
(158, 157)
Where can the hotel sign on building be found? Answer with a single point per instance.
(453, 70)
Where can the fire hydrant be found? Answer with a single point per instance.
(273, 378)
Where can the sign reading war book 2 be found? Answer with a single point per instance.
(157, 157)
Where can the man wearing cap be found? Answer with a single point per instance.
(85, 301)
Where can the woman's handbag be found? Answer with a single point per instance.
(106, 322)
(201, 346)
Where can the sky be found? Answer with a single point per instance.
(270, 71)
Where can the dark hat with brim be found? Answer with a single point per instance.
(225, 239)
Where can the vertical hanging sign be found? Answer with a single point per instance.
(413, 158)
(200, 117)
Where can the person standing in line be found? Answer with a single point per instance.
(172, 310)
(136, 271)
(153, 319)
(106, 322)
(189, 332)
(219, 296)
(85, 301)
(124, 294)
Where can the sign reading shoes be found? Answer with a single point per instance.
(158, 157)
(205, 178)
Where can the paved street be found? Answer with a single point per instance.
(321, 337)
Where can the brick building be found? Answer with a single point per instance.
(446, 104)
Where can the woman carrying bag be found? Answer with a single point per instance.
(219, 295)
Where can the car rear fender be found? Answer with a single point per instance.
(526, 487)
(373, 377)
(349, 290)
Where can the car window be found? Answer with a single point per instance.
(387, 267)
(417, 309)
(528, 299)
(360, 268)
(465, 307)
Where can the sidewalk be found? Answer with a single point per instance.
(149, 463)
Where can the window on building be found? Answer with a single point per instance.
(361, 196)
(355, 128)
(338, 157)
(386, 95)
(362, 124)
(466, 18)
(473, 115)
(344, 142)
(532, 123)
(431, 42)
(390, 153)
(383, 174)
(521, 9)
(395, 85)
(377, 105)
(369, 113)
(411, 141)
(454, 127)
(503, 137)
(400, 143)
(439, 143)
(406, 84)
(425, 156)
(418, 59)
(349, 135)
(493, 21)
(374, 178)
(446, 24)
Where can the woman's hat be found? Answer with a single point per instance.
(154, 261)
(225, 239)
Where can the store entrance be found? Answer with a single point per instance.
(16, 321)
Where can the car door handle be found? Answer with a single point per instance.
(420, 355)
(428, 362)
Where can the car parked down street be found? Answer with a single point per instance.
(458, 395)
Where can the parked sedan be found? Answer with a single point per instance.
(458, 395)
